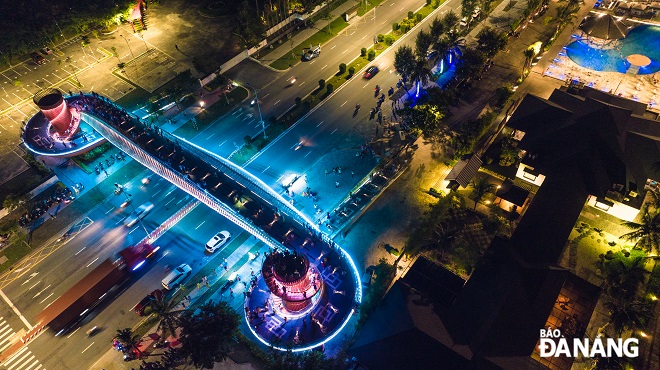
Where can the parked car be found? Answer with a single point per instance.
(37, 58)
(146, 301)
(138, 214)
(370, 72)
(217, 241)
(46, 51)
(368, 276)
(176, 277)
(312, 52)
(464, 22)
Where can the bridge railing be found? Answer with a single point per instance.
(177, 179)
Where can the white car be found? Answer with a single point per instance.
(176, 277)
(464, 22)
(138, 214)
(218, 241)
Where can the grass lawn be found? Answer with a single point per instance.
(134, 99)
(321, 37)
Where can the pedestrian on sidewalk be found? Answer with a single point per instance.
(336, 184)
(199, 285)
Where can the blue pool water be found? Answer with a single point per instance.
(643, 40)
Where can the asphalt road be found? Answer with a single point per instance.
(332, 125)
(184, 243)
(275, 91)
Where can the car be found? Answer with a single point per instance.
(217, 241)
(176, 277)
(312, 52)
(146, 301)
(46, 51)
(464, 22)
(368, 276)
(370, 72)
(138, 214)
(37, 58)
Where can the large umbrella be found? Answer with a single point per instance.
(604, 26)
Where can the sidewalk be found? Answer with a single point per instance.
(285, 47)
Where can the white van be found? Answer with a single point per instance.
(177, 276)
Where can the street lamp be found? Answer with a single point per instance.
(120, 188)
(261, 119)
(129, 46)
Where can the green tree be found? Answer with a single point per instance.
(208, 334)
(450, 21)
(423, 41)
(627, 314)
(622, 278)
(16, 202)
(342, 68)
(427, 119)
(321, 84)
(436, 28)
(529, 54)
(481, 187)
(509, 153)
(166, 313)
(467, 7)
(564, 15)
(404, 60)
(421, 74)
(645, 234)
(490, 41)
(128, 339)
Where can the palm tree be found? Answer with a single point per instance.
(421, 73)
(646, 234)
(627, 314)
(443, 238)
(621, 279)
(436, 28)
(422, 43)
(167, 314)
(450, 20)
(481, 187)
(128, 339)
(529, 54)
(565, 14)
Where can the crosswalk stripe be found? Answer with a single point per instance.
(20, 360)
(15, 356)
(31, 366)
(6, 346)
(4, 332)
(32, 359)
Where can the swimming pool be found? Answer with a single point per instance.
(643, 40)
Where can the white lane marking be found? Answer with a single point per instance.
(131, 232)
(35, 284)
(12, 358)
(82, 249)
(74, 332)
(344, 52)
(44, 300)
(39, 293)
(169, 192)
(307, 154)
(87, 347)
(210, 136)
(91, 263)
(365, 85)
(222, 143)
(320, 123)
(324, 66)
(200, 225)
(170, 201)
(344, 103)
(277, 102)
(334, 46)
(302, 83)
(182, 199)
(333, 131)
(265, 169)
(156, 193)
(110, 210)
(263, 97)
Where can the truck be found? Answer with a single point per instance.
(104, 281)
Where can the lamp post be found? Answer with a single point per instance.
(129, 46)
(261, 119)
(120, 188)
